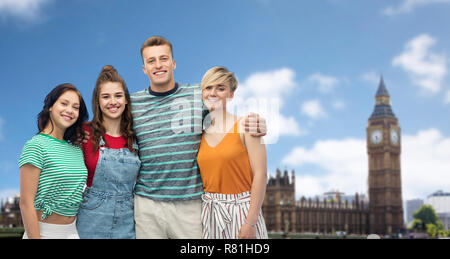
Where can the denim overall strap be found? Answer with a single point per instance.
(116, 170)
(101, 143)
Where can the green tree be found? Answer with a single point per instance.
(427, 215)
(416, 225)
(426, 219)
(432, 230)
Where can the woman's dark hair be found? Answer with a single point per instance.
(75, 131)
(110, 74)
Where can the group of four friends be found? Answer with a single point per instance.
(150, 165)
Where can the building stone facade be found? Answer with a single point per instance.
(10, 215)
(382, 214)
(285, 214)
(441, 203)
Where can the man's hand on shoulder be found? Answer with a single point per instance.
(255, 125)
(86, 137)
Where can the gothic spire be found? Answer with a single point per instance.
(382, 91)
(383, 103)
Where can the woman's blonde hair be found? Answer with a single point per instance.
(219, 75)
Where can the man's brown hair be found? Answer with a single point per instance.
(156, 41)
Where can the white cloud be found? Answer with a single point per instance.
(343, 162)
(426, 68)
(408, 5)
(344, 165)
(338, 105)
(274, 84)
(324, 83)
(288, 127)
(265, 94)
(8, 193)
(309, 186)
(313, 109)
(447, 97)
(371, 77)
(425, 163)
(29, 10)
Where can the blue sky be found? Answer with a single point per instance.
(319, 60)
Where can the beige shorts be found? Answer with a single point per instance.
(167, 219)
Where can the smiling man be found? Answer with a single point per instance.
(168, 124)
(159, 64)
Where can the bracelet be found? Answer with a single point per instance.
(251, 225)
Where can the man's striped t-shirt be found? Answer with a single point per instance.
(169, 129)
(63, 174)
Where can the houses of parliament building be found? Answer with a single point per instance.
(383, 212)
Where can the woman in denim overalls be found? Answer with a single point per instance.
(107, 210)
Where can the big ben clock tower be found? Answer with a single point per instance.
(384, 148)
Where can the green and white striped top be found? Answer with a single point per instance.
(63, 174)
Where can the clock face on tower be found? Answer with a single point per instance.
(376, 136)
(394, 137)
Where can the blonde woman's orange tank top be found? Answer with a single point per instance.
(225, 168)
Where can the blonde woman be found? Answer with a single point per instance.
(233, 166)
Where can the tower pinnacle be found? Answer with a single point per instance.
(383, 103)
(382, 91)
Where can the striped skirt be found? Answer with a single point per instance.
(224, 214)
